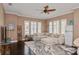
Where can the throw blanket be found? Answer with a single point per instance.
(42, 49)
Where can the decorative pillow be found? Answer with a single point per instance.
(56, 35)
(61, 39)
(49, 41)
(47, 34)
(76, 42)
(35, 34)
(51, 35)
(53, 40)
(36, 38)
(40, 34)
(39, 37)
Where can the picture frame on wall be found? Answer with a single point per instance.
(10, 27)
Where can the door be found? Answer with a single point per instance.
(69, 35)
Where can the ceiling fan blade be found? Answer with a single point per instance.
(51, 10)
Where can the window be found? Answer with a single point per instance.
(57, 27)
(26, 23)
(32, 27)
(35, 27)
(63, 26)
(39, 27)
(50, 27)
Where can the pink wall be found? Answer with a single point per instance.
(9, 18)
(17, 20)
(1, 17)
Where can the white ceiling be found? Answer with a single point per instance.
(34, 10)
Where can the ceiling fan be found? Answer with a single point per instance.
(10, 4)
(47, 9)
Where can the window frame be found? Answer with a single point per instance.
(57, 25)
(35, 27)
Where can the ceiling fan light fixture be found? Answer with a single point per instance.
(47, 9)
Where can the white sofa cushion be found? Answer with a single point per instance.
(49, 41)
(53, 40)
(61, 39)
(76, 42)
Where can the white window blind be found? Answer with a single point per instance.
(32, 27)
(57, 26)
(63, 26)
(35, 26)
(50, 27)
(39, 27)
(26, 24)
